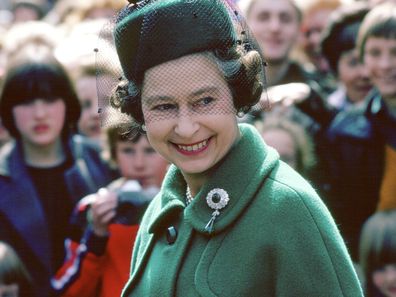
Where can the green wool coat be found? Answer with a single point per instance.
(274, 238)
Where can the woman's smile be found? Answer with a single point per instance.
(194, 148)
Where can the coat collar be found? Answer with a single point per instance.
(241, 174)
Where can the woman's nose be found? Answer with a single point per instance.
(186, 126)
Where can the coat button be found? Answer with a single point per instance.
(171, 235)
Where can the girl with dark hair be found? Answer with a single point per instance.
(47, 169)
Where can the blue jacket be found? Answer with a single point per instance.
(22, 221)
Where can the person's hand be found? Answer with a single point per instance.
(286, 94)
(103, 210)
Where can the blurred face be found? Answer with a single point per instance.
(189, 113)
(276, 27)
(312, 27)
(24, 14)
(385, 280)
(283, 142)
(139, 161)
(380, 58)
(40, 122)
(98, 13)
(89, 122)
(9, 290)
(354, 76)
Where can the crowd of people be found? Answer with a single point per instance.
(253, 153)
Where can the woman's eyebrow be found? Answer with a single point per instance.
(204, 90)
(154, 98)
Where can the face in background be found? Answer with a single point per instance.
(189, 113)
(139, 161)
(385, 280)
(380, 59)
(276, 26)
(89, 122)
(283, 142)
(312, 26)
(9, 290)
(39, 121)
(353, 75)
(23, 13)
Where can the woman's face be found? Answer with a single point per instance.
(385, 280)
(139, 161)
(39, 121)
(380, 58)
(276, 26)
(353, 75)
(189, 113)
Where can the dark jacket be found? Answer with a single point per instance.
(22, 221)
(354, 156)
(274, 238)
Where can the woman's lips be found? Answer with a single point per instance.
(41, 128)
(194, 148)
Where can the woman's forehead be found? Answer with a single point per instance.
(194, 75)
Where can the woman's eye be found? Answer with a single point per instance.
(204, 101)
(164, 107)
(128, 151)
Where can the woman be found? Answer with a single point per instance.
(47, 169)
(207, 233)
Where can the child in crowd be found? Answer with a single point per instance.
(105, 223)
(378, 254)
(293, 143)
(377, 46)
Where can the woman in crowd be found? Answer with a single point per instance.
(230, 219)
(47, 169)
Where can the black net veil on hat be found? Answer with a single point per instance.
(150, 33)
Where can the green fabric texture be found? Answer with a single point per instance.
(166, 30)
(274, 238)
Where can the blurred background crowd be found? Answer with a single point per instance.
(72, 191)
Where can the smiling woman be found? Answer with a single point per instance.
(184, 86)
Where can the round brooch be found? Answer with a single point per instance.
(217, 199)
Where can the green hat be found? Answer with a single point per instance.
(158, 31)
